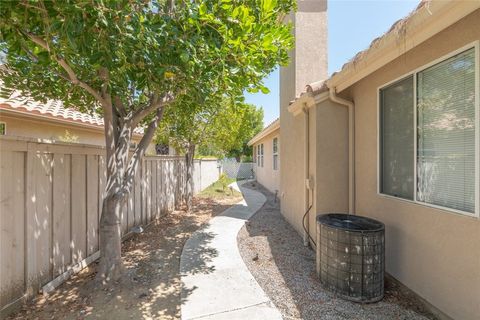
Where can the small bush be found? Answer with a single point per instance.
(224, 181)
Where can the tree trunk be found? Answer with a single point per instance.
(111, 265)
(189, 159)
(120, 179)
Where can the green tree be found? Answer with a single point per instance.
(130, 60)
(221, 125)
(232, 129)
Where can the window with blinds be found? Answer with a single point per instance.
(446, 133)
(440, 171)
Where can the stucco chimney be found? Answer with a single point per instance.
(308, 60)
(308, 63)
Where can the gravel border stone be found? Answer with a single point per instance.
(274, 253)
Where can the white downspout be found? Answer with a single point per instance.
(351, 146)
(306, 240)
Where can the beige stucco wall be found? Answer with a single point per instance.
(30, 127)
(265, 175)
(308, 64)
(329, 159)
(434, 252)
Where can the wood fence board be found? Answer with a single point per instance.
(79, 209)
(50, 206)
(154, 189)
(12, 215)
(148, 190)
(131, 209)
(138, 197)
(102, 181)
(92, 203)
(42, 219)
(158, 189)
(61, 213)
(123, 218)
(162, 187)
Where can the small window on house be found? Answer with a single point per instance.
(258, 155)
(261, 155)
(3, 128)
(275, 154)
(432, 160)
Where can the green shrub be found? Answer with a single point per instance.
(224, 181)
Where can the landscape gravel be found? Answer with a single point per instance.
(274, 253)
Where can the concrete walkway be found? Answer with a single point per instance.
(216, 281)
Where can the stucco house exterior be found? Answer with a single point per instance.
(24, 117)
(266, 156)
(394, 135)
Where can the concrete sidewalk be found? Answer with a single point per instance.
(216, 281)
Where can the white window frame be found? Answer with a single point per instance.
(261, 154)
(275, 153)
(258, 155)
(5, 126)
(476, 46)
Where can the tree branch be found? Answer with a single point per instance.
(155, 104)
(72, 77)
(117, 102)
(140, 150)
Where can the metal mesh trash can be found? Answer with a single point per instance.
(351, 256)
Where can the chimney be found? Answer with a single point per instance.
(308, 60)
(308, 63)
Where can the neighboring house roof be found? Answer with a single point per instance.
(53, 110)
(272, 127)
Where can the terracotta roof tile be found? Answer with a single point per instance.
(52, 108)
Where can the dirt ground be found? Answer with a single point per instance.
(274, 253)
(150, 288)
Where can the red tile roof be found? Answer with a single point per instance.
(53, 109)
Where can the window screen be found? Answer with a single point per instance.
(261, 155)
(446, 133)
(275, 153)
(258, 155)
(397, 139)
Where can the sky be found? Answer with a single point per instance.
(347, 35)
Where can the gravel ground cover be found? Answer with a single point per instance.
(274, 253)
(151, 285)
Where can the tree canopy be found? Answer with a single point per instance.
(130, 60)
(220, 129)
(231, 130)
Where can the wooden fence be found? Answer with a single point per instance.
(50, 202)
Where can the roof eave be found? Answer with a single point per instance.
(274, 126)
(428, 21)
(306, 101)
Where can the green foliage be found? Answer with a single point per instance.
(218, 191)
(219, 128)
(197, 48)
(224, 181)
(134, 60)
